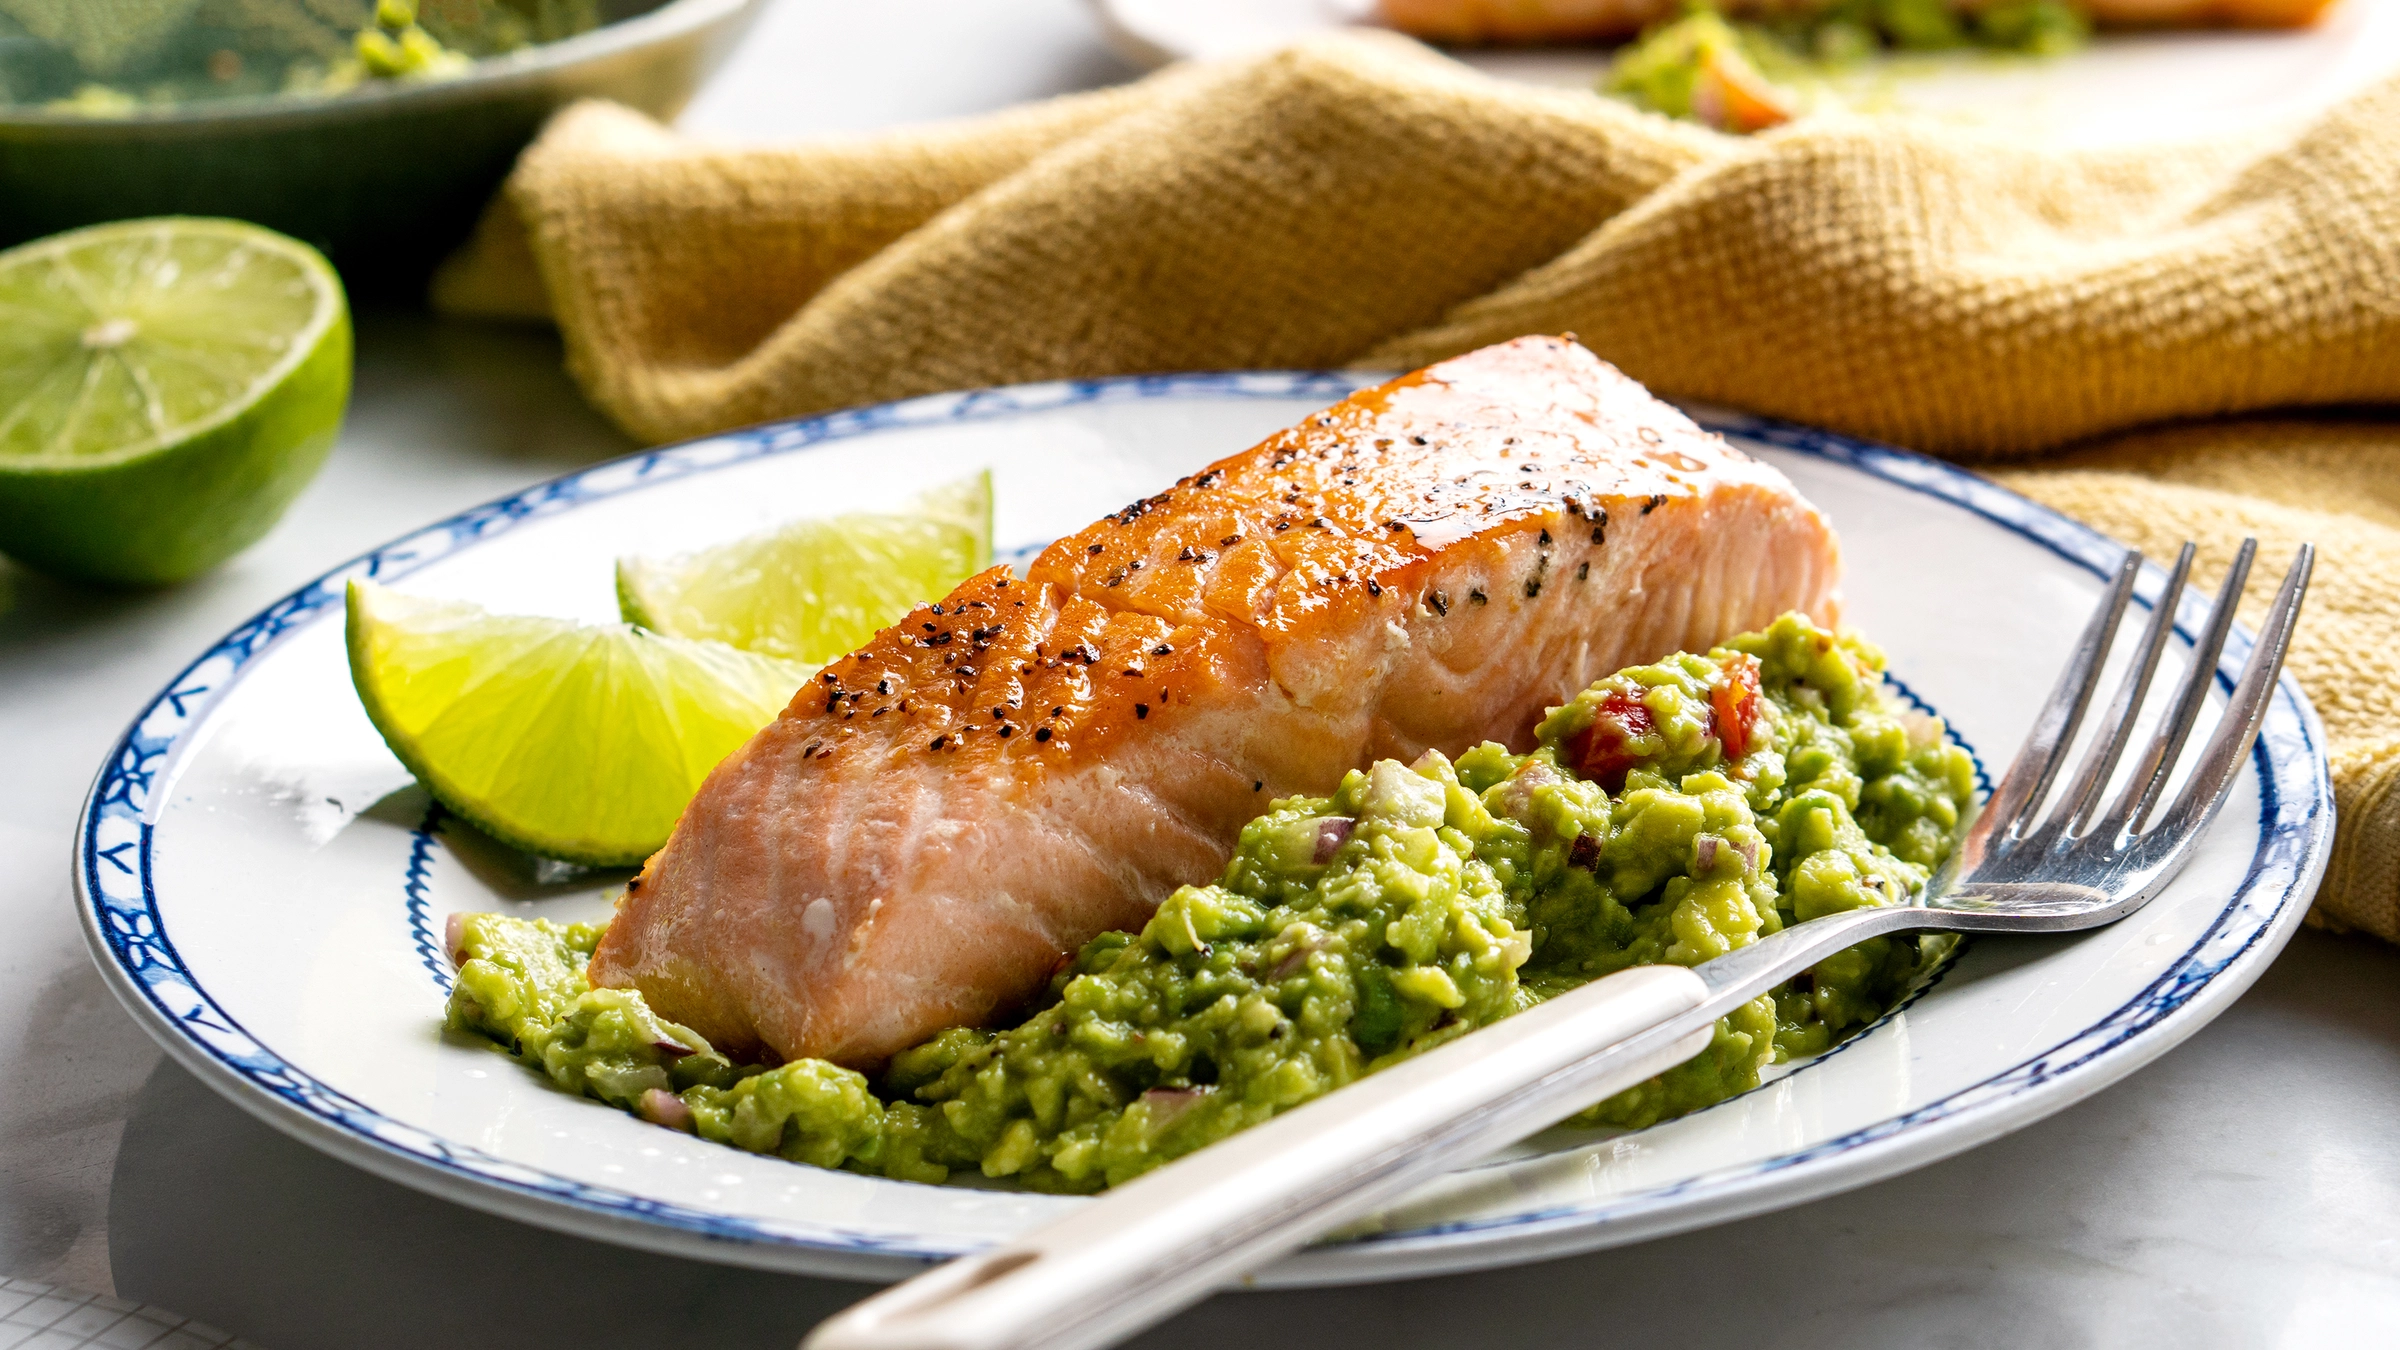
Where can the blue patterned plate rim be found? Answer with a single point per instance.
(118, 907)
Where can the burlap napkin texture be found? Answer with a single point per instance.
(1361, 201)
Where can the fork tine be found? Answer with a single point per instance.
(2221, 762)
(2084, 796)
(2158, 762)
(2030, 775)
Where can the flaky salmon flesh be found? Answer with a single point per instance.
(943, 815)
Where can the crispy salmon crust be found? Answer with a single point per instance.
(941, 816)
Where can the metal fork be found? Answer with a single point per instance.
(1166, 1239)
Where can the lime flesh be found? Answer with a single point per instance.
(575, 741)
(167, 387)
(814, 590)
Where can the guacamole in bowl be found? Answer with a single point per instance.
(374, 131)
(104, 59)
(1670, 813)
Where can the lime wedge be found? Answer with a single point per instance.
(574, 741)
(166, 388)
(814, 590)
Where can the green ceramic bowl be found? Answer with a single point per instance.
(385, 180)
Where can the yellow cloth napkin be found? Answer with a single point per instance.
(2331, 482)
(1359, 200)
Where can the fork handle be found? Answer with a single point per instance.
(1167, 1239)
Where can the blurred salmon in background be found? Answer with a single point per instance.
(1528, 21)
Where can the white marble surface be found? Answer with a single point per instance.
(2244, 1191)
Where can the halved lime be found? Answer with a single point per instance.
(166, 388)
(574, 741)
(814, 590)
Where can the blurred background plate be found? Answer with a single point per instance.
(2124, 89)
(385, 179)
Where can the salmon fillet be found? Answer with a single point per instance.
(938, 819)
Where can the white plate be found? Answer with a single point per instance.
(2124, 89)
(262, 884)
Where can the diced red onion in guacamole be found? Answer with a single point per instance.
(661, 1107)
(1297, 958)
(1332, 833)
(1165, 1104)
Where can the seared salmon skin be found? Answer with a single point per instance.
(940, 817)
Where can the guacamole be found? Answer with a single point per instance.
(116, 59)
(1671, 812)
